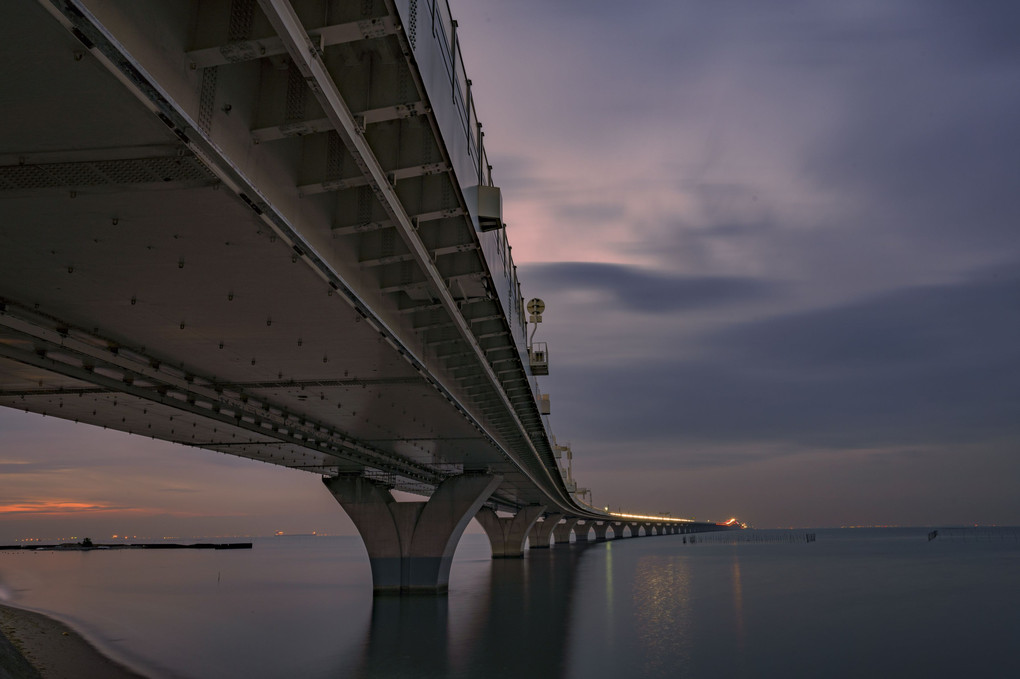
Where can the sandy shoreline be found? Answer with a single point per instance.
(38, 646)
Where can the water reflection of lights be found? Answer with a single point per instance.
(610, 614)
(662, 604)
(738, 603)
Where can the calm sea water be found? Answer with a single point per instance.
(854, 603)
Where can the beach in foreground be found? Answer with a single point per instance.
(34, 646)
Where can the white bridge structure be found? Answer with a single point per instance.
(270, 229)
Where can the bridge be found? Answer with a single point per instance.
(271, 230)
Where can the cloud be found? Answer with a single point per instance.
(10, 468)
(934, 365)
(637, 289)
(916, 330)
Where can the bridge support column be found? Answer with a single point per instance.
(411, 544)
(562, 532)
(600, 531)
(507, 534)
(542, 531)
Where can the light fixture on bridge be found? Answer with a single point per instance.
(538, 353)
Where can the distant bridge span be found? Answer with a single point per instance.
(271, 230)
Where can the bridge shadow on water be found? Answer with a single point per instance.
(519, 627)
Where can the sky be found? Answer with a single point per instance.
(778, 245)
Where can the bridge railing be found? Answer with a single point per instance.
(432, 33)
(441, 64)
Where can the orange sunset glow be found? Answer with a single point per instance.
(51, 508)
(57, 507)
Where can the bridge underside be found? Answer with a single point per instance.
(192, 251)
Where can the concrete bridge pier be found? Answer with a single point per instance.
(411, 544)
(507, 534)
(581, 531)
(542, 531)
(600, 531)
(561, 533)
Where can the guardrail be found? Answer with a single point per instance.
(441, 63)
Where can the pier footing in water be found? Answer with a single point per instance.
(411, 544)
